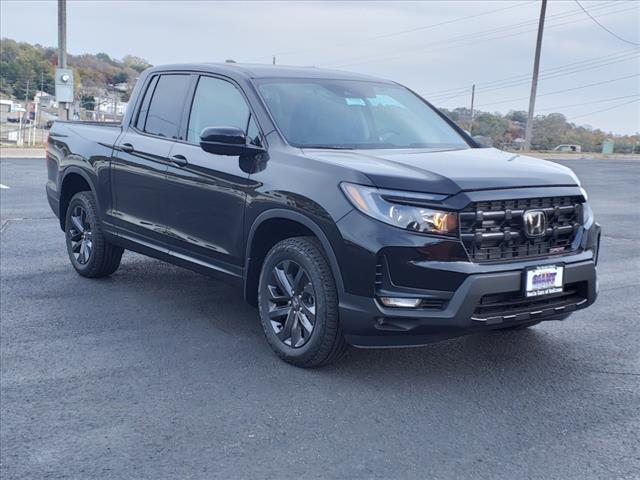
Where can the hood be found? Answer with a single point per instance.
(448, 172)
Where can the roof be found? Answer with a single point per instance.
(248, 70)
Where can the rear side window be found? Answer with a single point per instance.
(166, 106)
(144, 108)
(217, 103)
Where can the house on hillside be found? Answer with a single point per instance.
(45, 100)
(105, 107)
(5, 108)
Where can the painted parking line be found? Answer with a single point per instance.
(3, 186)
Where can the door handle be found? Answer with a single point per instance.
(127, 148)
(179, 160)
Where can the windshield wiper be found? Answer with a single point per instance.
(328, 147)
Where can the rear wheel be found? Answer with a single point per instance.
(89, 251)
(298, 304)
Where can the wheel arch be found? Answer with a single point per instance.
(74, 180)
(277, 225)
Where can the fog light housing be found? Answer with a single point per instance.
(400, 302)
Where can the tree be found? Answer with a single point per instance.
(88, 102)
(120, 77)
(136, 63)
(104, 57)
(491, 125)
(21, 63)
(519, 116)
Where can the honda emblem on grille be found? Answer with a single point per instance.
(535, 223)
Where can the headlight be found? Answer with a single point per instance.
(377, 204)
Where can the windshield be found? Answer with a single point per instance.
(319, 113)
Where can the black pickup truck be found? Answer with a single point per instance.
(352, 211)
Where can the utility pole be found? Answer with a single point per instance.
(26, 111)
(274, 59)
(63, 112)
(38, 121)
(473, 97)
(534, 80)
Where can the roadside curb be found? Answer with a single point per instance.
(22, 152)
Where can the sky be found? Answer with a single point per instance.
(437, 48)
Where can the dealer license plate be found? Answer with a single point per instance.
(543, 280)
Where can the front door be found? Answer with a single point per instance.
(206, 193)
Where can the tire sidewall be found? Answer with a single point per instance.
(309, 349)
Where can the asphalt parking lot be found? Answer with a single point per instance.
(157, 372)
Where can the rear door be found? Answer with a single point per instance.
(142, 159)
(206, 192)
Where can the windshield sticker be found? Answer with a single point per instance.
(355, 101)
(384, 100)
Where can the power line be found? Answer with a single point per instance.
(581, 104)
(473, 37)
(605, 28)
(555, 71)
(564, 90)
(393, 34)
(606, 109)
(510, 84)
(546, 73)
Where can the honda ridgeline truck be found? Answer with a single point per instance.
(352, 210)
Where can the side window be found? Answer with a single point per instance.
(253, 133)
(217, 103)
(144, 107)
(167, 103)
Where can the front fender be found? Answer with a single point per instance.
(292, 215)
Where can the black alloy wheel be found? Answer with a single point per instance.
(292, 303)
(80, 235)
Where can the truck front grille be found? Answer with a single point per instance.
(495, 230)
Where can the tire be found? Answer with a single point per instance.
(296, 277)
(89, 251)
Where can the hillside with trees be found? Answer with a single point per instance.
(549, 131)
(22, 63)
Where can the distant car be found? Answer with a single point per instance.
(13, 120)
(568, 148)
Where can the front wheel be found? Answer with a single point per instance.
(89, 251)
(298, 304)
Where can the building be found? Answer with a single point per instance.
(5, 108)
(106, 105)
(45, 100)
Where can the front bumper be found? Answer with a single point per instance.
(460, 297)
(367, 323)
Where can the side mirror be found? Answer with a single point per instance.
(230, 141)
